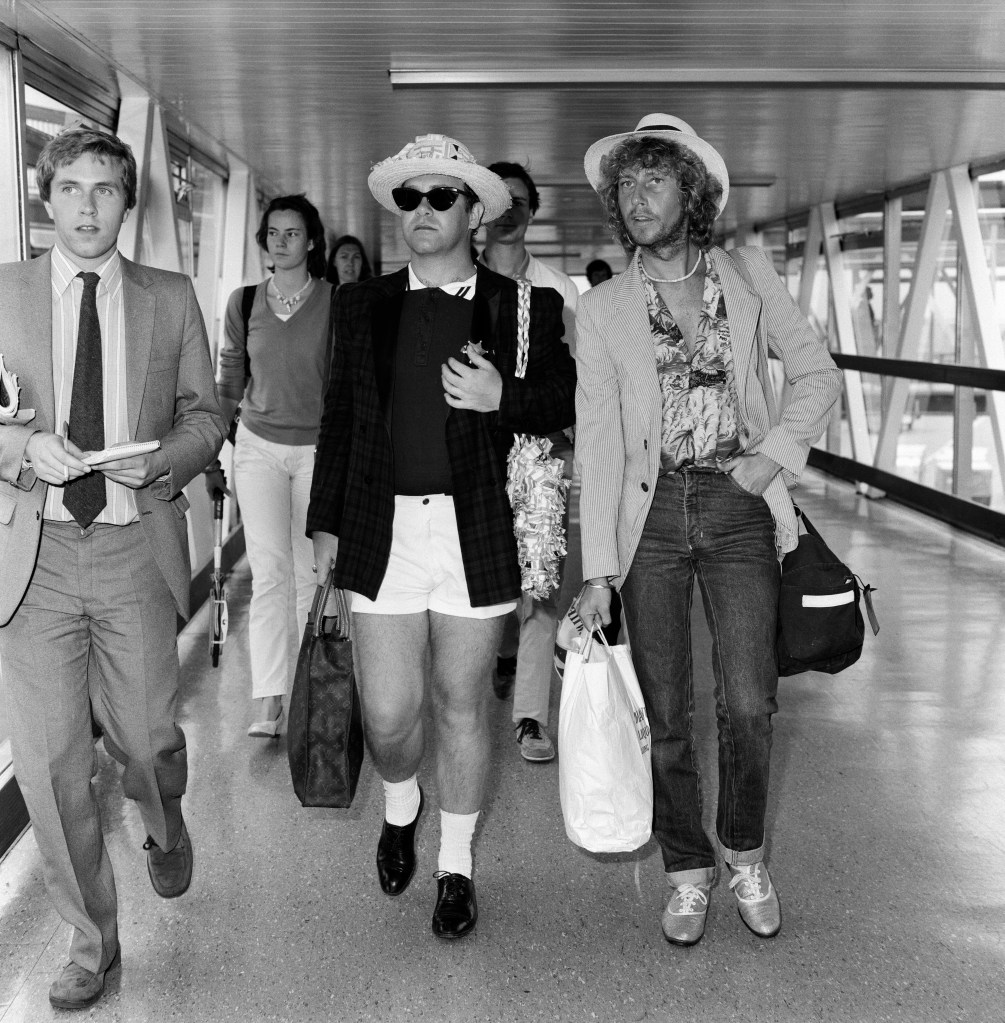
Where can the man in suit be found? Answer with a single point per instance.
(95, 560)
(408, 503)
(685, 464)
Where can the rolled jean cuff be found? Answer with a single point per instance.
(699, 875)
(742, 859)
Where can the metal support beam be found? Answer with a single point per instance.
(14, 239)
(913, 320)
(861, 442)
(977, 284)
(150, 233)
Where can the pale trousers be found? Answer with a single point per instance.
(95, 634)
(273, 484)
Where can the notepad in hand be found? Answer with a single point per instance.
(117, 451)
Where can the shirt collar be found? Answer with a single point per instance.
(64, 270)
(459, 289)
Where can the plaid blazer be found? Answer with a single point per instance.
(352, 493)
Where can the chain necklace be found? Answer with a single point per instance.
(293, 299)
(669, 280)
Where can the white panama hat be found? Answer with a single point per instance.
(670, 129)
(438, 154)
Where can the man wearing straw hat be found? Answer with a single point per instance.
(685, 463)
(408, 503)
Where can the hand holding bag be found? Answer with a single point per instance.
(605, 777)
(325, 728)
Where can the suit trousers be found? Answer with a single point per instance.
(95, 634)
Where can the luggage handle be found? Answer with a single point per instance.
(867, 590)
(341, 617)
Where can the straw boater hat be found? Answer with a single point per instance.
(670, 129)
(438, 154)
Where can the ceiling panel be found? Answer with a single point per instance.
(300, 90)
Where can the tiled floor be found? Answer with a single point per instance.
(887, 845)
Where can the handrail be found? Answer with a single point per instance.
(936, 372)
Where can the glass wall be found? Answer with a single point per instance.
(945, 438)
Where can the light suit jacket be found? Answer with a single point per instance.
(170, 397)
(619, 406)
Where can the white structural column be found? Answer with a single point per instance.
(13, 186)
(913, 319)
(861, 442)
(150, 234)
(977, 283)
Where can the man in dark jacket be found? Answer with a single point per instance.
(408, 503)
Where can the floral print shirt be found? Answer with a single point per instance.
(700, 422)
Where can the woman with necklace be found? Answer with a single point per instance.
(274, 363)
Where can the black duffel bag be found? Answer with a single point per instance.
(820, 625)
(325, 725)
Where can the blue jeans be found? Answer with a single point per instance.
(704, 524)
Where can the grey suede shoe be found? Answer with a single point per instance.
(77, 988)
(170, 872)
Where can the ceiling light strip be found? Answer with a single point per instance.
(913, 78)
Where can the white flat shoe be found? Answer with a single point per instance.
(268, 729)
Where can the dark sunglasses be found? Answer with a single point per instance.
(441, 198)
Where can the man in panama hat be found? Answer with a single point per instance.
(685, 462)
(408, 503)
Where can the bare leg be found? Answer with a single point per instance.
(463, 653)
(391, 656)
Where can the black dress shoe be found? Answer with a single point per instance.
(396, 853)
(456, 911)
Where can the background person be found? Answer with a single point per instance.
(276, 368)
(684, 463)
(95, 562)
(598, 271)
(526, 654)
(347, 262)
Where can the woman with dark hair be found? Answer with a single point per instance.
(347, 262)
(274, 363)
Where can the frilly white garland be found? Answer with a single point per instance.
(10, 392)
(537, 491)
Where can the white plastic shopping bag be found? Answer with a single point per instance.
(605, 775)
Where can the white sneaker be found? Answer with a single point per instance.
(684, 917)
(758, 901)
(535, 743)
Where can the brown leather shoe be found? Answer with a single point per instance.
(170, 872)
(77, 988)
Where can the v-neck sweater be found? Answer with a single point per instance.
(284, 394)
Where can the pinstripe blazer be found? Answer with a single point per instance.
(170, 396)
(352, 493)
(619, 407)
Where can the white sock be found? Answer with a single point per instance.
(456, 833)
(401, 801)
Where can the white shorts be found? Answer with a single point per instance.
(425, 571)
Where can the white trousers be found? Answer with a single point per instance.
(273, 484)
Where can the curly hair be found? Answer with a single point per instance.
(700, 190)
(73, 143)
(312, 222)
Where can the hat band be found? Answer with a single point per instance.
(656, 127)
